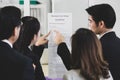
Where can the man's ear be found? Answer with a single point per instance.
(101, 24)
(15, 31)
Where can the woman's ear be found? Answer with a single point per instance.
(34, 39)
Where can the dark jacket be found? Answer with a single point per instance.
(111, 52)
(35, 54)
(13, 65)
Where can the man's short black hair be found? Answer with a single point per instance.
(10, 17)
(103, 12)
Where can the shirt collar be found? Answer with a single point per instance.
(8, 42)
(104, 33)
(30, 48)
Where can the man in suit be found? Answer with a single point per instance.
(13, 65)
(102, 18)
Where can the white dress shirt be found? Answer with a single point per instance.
(8, 42)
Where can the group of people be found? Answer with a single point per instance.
(20, 46)
(90, 59)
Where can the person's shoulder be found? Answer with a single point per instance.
(62, 44)
(73, 75)
(21, 57)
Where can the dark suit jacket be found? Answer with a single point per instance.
(13, 65)
(35, 54)
(111, 52)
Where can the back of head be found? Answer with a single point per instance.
(87, 53)
(10, 17)
(30, 27)
(103, 12)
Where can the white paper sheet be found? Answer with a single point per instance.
(63, 23)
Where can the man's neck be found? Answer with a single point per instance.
(104, 32)
(11, 40)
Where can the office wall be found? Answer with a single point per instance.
(77, 8)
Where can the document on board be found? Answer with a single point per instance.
(61, 22)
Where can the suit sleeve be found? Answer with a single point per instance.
(38, 51)
(64, 53)
(28, 71)
(39, 74)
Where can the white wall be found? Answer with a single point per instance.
(77, 8)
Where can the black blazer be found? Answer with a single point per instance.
(35, 54)
(13, 65)
(111, 52)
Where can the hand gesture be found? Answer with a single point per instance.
(42, 40)
(59, 38)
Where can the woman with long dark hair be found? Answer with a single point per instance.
(87, 62)
(29, 43)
